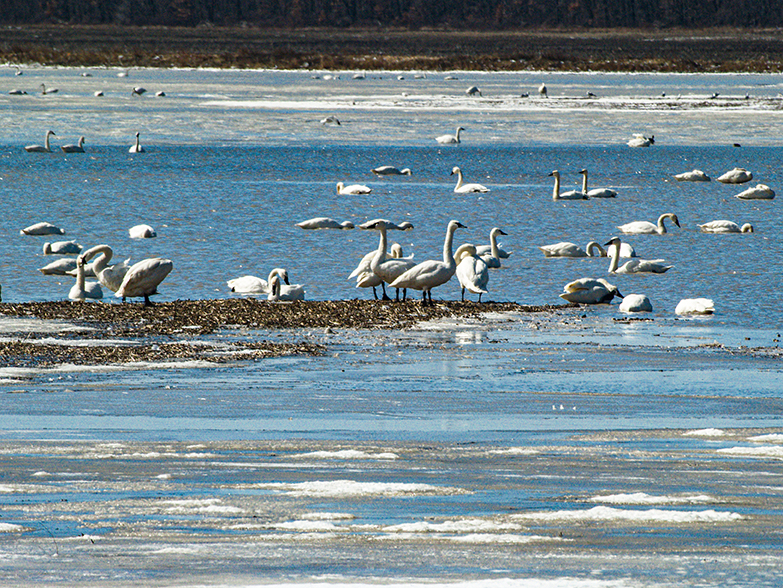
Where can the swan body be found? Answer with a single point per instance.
(542, 90)
(450, 139)
(492, 257)
(759, 192)
(143, 278)
(255, 285)
(330, 120)
(390, 170)
(472, 91)
(109, 276)
(41, 148)
(692, 176)
(626, 250)
(431, 273)
(138, 91)
(590, 291)
(62, 248)
(738, 175)
(42, 228)
(82, 290)
(472, 271)
(725, 226)
(78, 148)
(142, 232)
(60, 267)
(137, 148)
(640, 140)
(568, 249)
(352, 189)
(288, 292)
(322, 222)
(648, 228)
(570, 195)
(462, 188)
(17, 93)
(635, 303)
(366, 278)
(695, 306)
(634, 266)
(388, 269)
(596, 192)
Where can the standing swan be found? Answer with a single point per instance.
(462, 188)
(143, 279)
(595, 192)
(110, 276)
(648, 228)
(41, 148)
(431, 273)
(137, 148)
(81, 289)
(388, 269)
(472, 272)
(78, 148)
(634, 266)
(450, 139)
(570, 195)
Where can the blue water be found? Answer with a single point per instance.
(510, 426)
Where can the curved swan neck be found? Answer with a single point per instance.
(457, 133)
(592, 245)
(615, 257)
(459, 178)
(448, 243)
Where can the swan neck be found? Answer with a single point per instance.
(615, 258)
(380, 255)
(556, 191)
(661, 226)
(584, 182)
(459, 179)
(493, 244)
(448, 243)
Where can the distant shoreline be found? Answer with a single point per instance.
(709, 51)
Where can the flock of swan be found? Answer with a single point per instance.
(78, 147)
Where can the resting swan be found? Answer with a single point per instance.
(142, 232)
(62, 248)
(110, 276)
(595, 192)
(635, 303)
(738, 175)
(634, 266)
(352, 189)
(725, 226)
(692, 176)
(42, 228)
(323, 222)
(255, 285)
(462, 188)
(388, 269)
(590, 291)
(472, 271)
(648, 228)
(432, 273)
(568, 249)
(78, 148)
(41, 148)
(143, 278)
(695, 306)
(759, 192)
(449, 139)
(570, 195)
(81, 289)
(639, 140)
(390, 170)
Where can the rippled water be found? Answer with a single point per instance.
(564, 449)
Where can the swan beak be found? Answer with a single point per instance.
(461, 225)
(550, 174)
(502, 232)
(617, 293)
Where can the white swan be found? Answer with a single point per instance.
(759, 192)
(390, 170)
(725, 226)
(366, 278)
(78, 148)
(648, 228)
(568, 249)
(137, 148)
(570, 195)
(82, 289)
(472, 91)
(323, 222)
(635, 303)
(256, 285)
(626, 250)
(542, 90)
(62, 248)
(634, 266)
(352, 189)
(462, 188)
(449, 139)
(639, 140)
(692, 176)
(42, 228)
(109, 276)
(596, 192)
(388, 269)
(45, 90)
(60, 267)
(492, 257)
(590, 291)
(695, 306)
(431, 273)
(143, 278)
(472, 271)
(738, 175)
(41, 148)
(142, 232)
(330, 120)
(288, 292)
(493, 248)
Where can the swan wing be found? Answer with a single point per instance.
(143, 277)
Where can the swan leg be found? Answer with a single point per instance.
(480, 293)
(375, 292)
(463, 294)
(385, 295)
(147, 301)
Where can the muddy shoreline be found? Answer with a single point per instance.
(724, 50)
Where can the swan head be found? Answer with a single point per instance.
(346, 225)
(583, 172)
(464, 250)
(746, 228)
(455, 170)
(498, 231)
(406, 171)
(674, 218)
(396, 250)
(405, 226)
(50, 132)
(554, 173)
(454, 225)
(613, 241)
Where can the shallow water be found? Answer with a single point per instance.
(573, 448)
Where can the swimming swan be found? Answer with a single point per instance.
(390, 170)
(109, 276)
(695, 306)
(388, 269)
(137, 148)
(590, 291)
(450, 139)
(692, 176)
(143, 279)
(640, 140)
(738, 175)
(635, 303)
(483, 250)
(462, 188)
(492, 257)
(648, 228)
(78, 148)
(256, 285)
(596, 192)
(287, 292)
(142, 232)
(41, 148)
(472, 271)
(759, 192)
(725, 226)
(42, 228)
(431, 273)
(570, 195)
(81, 289)
(62, 248)
(634, 266)
(352, 189)
(49, 91)
(568, 249)
(323, 222)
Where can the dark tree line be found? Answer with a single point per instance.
(456, 14)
